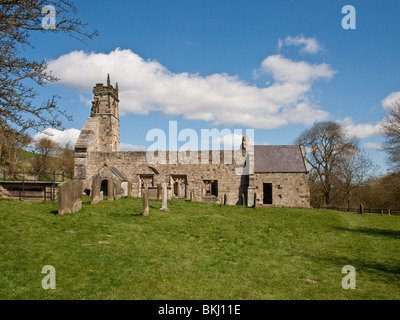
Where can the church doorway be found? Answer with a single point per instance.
(104, 187)
(267, 193)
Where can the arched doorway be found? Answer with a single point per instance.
(104, 187)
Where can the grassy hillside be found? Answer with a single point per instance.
(196, 251)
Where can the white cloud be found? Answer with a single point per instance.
(309, 45)
(363, 130)
(61, 137)
(146, 85)
(226, 142)
(131, 147)
(388, 102)
(286, 70)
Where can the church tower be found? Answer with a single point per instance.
(105, 109)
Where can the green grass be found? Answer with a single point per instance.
(196, 251)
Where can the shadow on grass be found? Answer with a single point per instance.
(373, 232)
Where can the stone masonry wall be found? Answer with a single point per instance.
(133, 164)
(288, 189)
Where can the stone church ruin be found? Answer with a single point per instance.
(276, 176)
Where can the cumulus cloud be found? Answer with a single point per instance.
(309, 45)
(221, 99)
(363, 130)
(61, 137)
(286, 70)
(389, 101)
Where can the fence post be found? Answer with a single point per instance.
(54, 185)
(63, 176)
(23, 185)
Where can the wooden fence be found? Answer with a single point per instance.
(31, 186)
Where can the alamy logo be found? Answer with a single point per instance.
(189, 152)
(49, 281)
(349, 281)
(49, 20)
(349, 20)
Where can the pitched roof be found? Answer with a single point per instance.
(118, 174)
(278, 159)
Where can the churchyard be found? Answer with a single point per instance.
(110, 250)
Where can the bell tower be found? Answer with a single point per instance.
(105, 109)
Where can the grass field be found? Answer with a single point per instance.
(196, 251)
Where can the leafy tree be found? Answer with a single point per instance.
(66, 160)
(18, 74)
(11, 147)
(43, 163)
(325, 142)
(391, 129)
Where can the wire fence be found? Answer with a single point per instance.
(366, 210)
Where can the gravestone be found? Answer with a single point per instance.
(110, 189)
(117, 189)
(255, 200)
(65, 198)
(101, 195)
(243, 200)
(129, 189)
(164, 197)
(95, 191)
(77, 188)
(159, 191)
(191, 196)
(145, 208)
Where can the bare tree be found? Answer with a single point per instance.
(19, 75)
(325, 142)
(391, 129)
(353, 169)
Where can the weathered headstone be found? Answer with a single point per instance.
(110, 189)
(117, 190)
(243, 200)
(77, 188)
(159, 191)
(191, 196)
(129, 189)
(101, 195)
(255, 200)
(164, 197)
(389, 212)
(361, 209)
(65, 198)
(95, 190)
(145, 209)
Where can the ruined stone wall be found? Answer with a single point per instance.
(288, 189)
(134, 164)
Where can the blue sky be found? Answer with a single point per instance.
(275, 66)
